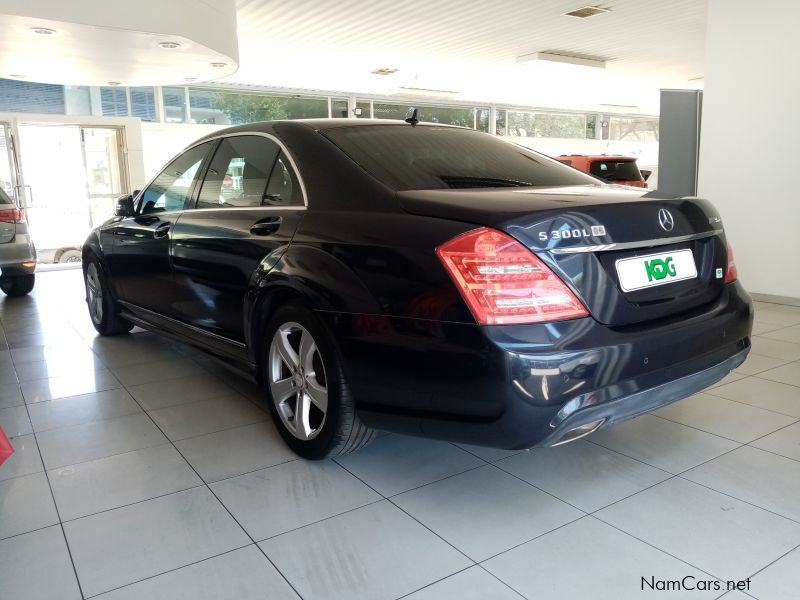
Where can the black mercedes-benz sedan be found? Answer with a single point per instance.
(423, 279)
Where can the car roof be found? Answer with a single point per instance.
(619, 157)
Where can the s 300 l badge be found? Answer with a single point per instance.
(570, 233)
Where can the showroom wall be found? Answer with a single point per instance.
(748, 159)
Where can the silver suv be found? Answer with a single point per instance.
(17, 254)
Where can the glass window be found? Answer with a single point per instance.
(416, 158)
(339, 108)
(463, 117)
(366, 109)
(634, 128)
(619, 170)
(238, 173)
(283, 188)
(77, 100)
(143, 103)
(172, 189)
(113, 102)
(31, 97)
(174, 104)
(482, 119)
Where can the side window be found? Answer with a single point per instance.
(283, 188)
(171, 190)
(238, 173)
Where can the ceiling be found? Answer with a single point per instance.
(472, 47)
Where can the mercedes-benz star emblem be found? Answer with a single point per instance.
(665, 219)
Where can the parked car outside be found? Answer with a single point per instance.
(620, 170)
(17, 253)
(428, 280)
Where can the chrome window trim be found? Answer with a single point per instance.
(640, 244)
(237, 134)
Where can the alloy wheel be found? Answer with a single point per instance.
(297, 381)
(94, 292)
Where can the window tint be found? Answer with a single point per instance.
(418, 158)
(238, 173)
(625, 170)
(172, 188)
(283, 188)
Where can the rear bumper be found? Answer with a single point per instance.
(527, 385)
(16, 252)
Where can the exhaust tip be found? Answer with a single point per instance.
(578, 432)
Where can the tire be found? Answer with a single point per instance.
(103, 309)
(15, 286)
(302, 365)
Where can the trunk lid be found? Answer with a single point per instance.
(582, 232)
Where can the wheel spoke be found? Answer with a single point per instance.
(307, 350)
(317, 393)
(286, 351)
(283, 389)
(301, 416)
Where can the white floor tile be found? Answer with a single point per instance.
(776, 348)
(705, 528)
(160, 394)
(780, 580)
(10, 395)
(235, 451)
(373, 553)
(24, 461)
(663, 444)
(275, 500)
(107, 483)
(485, 511)
(472, 584)
(128, 544)
(243, 574)
(14, 421)
(156, 371)
(789, 374)
(206, 416)
(79, 443)
(589, 559)
(771, 395)
(27, 504)
(584, 474)
(733, 420)
(769, 481)
(36, 566)
(76, 410)
(394, 463)
(68, 385)
(756, 363)
(785, 442)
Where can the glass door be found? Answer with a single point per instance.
(8, 181)
(73, 173)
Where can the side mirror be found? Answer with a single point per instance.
(124, 207)
(645, 174)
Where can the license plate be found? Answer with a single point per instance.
(655, 269)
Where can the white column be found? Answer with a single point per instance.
(748, 158)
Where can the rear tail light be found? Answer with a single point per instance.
(503, 282)
(731, 274)
(12, 215)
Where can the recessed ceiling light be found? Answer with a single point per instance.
(587, 11)
(190, 78)
(384, 71)
(16, 76)
(218, 65)
(43, 30)
(113, 83)
(169, 45)
(571, 58)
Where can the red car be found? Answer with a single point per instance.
(621, 170)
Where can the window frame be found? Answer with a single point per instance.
(203, 168)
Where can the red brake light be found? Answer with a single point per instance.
(731, 273)
(503, 282)
(12, 215)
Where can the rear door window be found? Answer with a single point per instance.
(430, 157)
(615, 170)
(239, 172)
(284, 188)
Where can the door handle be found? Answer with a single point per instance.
(162, 230)
(266, 226)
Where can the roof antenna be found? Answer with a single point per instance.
(412, 120)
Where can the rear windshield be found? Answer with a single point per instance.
(424, 158)
(5, 198)
(616, 170)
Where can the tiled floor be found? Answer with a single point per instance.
(142, 470)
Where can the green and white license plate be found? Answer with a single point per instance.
(655, 269)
